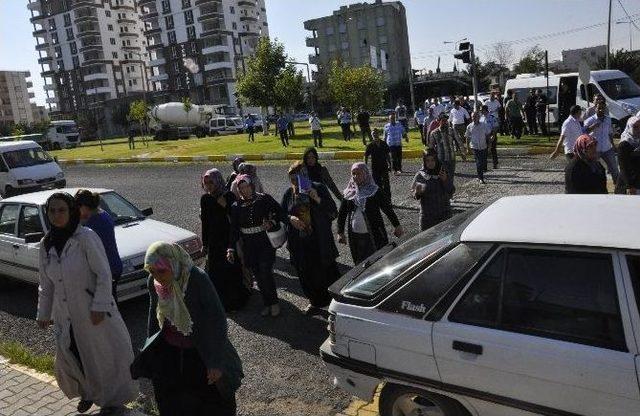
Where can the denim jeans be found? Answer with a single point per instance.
(610, 159)
(481, 162)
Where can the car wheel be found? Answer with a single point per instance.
(398, 400)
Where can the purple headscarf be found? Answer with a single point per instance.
(216, 177)
(359, 193)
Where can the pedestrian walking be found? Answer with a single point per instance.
(435, 123)
(428, 121)
(459, 118)
(419, 118)
(319, 173)
(629, 158)
(584, 174)
(437, 107)
(249, 125)
(541, 111)
(360, 211)
(530, 112)
(193, 367)
(515, 112)
(393, 132)
(246, 168)
(251, 217)
(379, 153)
(432, 188)
(344, 118)
(502, 118)
(494, 126)
(235, 165)
(93, 348)
(291, 130)
(363, 118)
(310, 211)
(569, 133)
(443, 140)
(265, 124)
(599, 127)
(493, 105)
(132, 138)
(477, 135)
(402, 118)
(227, 278)
(316, 130)
(101, 222)
(282, 125)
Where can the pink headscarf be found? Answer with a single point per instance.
(582, 143)
(359, 193)
(215, 175)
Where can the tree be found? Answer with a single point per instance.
(139, 112)
(485, 72)
(625, 61)
(88, 125)
(502, 54)
(186, 104)
(356, 87)
(257, 85)
(532, 61)
(288, 88)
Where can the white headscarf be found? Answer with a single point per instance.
(627, 134)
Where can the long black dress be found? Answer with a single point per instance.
(226, 277)
(313, 251)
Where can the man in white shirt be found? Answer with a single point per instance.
(598, 126)
(493, 105)
(316, 130)
(477, 135)
(571, 130)
(437, 107)
(419, 117)
(458, 118)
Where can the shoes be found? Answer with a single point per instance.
(275, 310)
(265, 311)
(84, 405)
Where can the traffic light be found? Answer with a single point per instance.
(465, 52)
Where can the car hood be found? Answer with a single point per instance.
(134, 238)
(37, 172)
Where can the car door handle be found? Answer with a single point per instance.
(467, 347)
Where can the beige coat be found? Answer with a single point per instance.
(72, 285)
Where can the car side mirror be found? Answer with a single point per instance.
(147, 212)
(33, 238)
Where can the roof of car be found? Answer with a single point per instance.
(576, 220)
(18, 145)
(40, 197)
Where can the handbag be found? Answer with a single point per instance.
(278, 237)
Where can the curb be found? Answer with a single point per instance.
(341, 155)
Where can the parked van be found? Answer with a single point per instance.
(63, 134)
(27, 167)
(565, 90)
(225, 125)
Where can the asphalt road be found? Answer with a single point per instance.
(284, 374)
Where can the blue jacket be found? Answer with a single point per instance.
(103, 225)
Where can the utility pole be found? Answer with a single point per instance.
(413, 95)
(609, 35)
(308, 80)
(474, 78)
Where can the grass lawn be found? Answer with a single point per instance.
(19, 354)
(238, 144)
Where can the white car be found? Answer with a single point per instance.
(225, 125)
(23, 223)
(528, 305)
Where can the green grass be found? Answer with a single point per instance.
(17, 353)
(238, 144)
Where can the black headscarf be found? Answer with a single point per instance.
(436, 170)
(313, 172)
(58, 237)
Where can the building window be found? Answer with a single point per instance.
(172, 36)
(54, 38)
(135, 81)
(124, 43)
(361, 24)
(58, 51)
(107, 13)
(110, 28)
(61, 65)
(329, 30)
(382, 39)
(52, 24)
(188, 17)
(76, 61)
(74, 48)
(234, 26)
(67, 19)
(168, 21)
(342, 28)
(115, 55)
(380, 21)
(332, 47)
(112, 41)
(166, 6)
(130, 83)
(191, 32)
(186, 4)
(233, 10)
(128, 42)
(69, 33)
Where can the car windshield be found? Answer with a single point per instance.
(403, 258)
(620, 88)
(121, 210)
(26, 157)
(67, 129)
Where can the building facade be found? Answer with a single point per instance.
(197, 47)
(363, 34)
(15, 97)
(90, 51)
(571, 58)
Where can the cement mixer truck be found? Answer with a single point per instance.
(172, 121)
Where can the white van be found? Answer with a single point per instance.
(565, 90)
(63, 134)
(27, 167)
(225, 125)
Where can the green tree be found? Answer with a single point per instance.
(187, 105)
(258, 84)
(288, 89)
(139, 112)
(625, 61)
(18, 130)
(88, 125)
(356, 87)
(532, 61)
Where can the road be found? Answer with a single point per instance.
(284, 374)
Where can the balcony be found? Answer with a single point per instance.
(311, 42)
(217, 48)
(144, 2)
(246, 3)
(39, 32)
(314, 59)
(52, 100)
(49, 87)
(248, 19)
(34, 5)
(210, 15)
(157, 62)
(45, 60)
(74, 4)
(42, 46)
(91, 47)
(159, 77)
(93, 77)
(48, 72)
(98, 90)
(149, 16)
(32, 95)
(128, 34)
(88, 30)
(127, 20)
(199, 2)
(35, 19)
(152, 31)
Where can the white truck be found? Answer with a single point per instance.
(62, 134)
(172, 121)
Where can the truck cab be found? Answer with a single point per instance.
(63, 134)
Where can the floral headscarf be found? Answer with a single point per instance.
(359, 194)
(582, 143)
(171, 305)
(243, 178)
(216, 176)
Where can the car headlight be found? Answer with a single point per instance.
(629, 108)
(25, 181)
(191, 246)
(60, 175)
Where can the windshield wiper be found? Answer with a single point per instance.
(125, 219)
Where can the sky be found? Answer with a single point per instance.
(554, 25)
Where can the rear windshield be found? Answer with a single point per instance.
(413, 252)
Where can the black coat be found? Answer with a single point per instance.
(215, 223)
(375, 203)
(580, 178)
(629, 160)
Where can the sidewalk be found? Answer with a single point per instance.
(25, 392)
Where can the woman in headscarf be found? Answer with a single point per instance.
(235, 165)
(215, 205)
(251, 217)
(433, 189)
(93, 348)
(252, 171)
(193, 367)
(629, 158)
(584, 174)
(318, 173)
(311, 211)
(361, 210)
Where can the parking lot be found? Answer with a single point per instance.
(283, 372)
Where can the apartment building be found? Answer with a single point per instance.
(90, 51)
(363, 34)
(15, 97)
(197, 47)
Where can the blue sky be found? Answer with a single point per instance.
(430, 23)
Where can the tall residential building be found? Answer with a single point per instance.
(15, 105)
(90, 51)
(363, 34)
(197, 47)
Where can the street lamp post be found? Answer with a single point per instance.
(308, 79)
(628, 22)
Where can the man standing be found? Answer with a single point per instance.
(571, 130)
(541, 111)
(428, 121)
(282, 125)
(437, 107)
(459, 117)
(365, 128)
(290, 128)
(443, 140)
(514, 112)
(132, 140)
(378, 151)
(492, 123)
(598, 126)
(344, 118)
(401, 116)
(393, 133)
(493, 105)
(419, 118)
(316, 130)
(530, 111)
(477, 134)
(249, 125)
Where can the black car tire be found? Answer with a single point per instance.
(392, 393)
